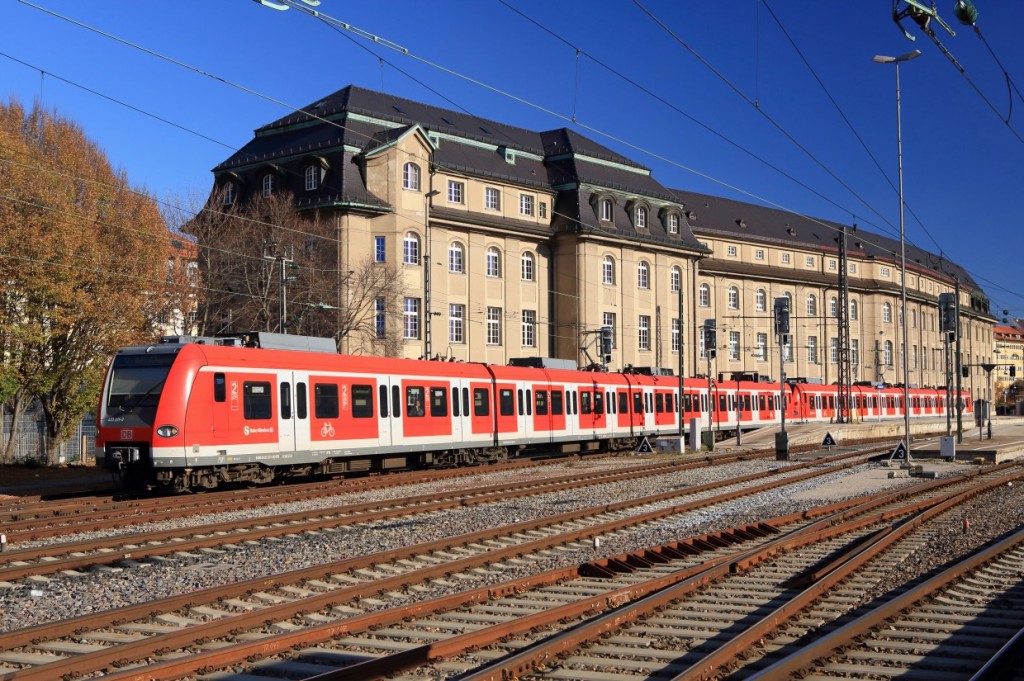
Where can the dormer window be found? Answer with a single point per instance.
(640, 215)
(312, 178)
(269, 185)
(673, 223)
(229, 194)
(606, 210)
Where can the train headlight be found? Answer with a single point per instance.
(167, 431)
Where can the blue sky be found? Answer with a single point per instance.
(516, 61)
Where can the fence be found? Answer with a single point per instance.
(30, 444)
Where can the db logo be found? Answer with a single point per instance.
(127, 434)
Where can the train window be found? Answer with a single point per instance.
(506, 403)
(455, 402)
(383, 399)
(481, 405)
(703, 402)
(831, 402)
(362, 401)
(649, 403)
(598, 402)
(638, 403)
(623, 403)
(529, 402)
(300, 400)
(438, 402)
(584, 402)
(256, 401)
(414, 401)
(542, 402)
(746, 402)
(465, 401)
(286, 400)
(556, 402)
(760, 402)
(396, 401)
(575, 403)
(219, 388)
(325, 400)
(721, 403)
(611, 402)
(519, 400)
(659, 403)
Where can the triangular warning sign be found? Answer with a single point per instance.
(645, 447)
(829, 441)
(900, 452)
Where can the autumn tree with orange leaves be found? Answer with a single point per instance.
(83, 268)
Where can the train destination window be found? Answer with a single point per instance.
(325, 400)
(362, 401)
(286, 400)
(438, 402)
(584, 402)
(481, 403)
(256, 402)
(414, 402)
(219, 388)
(542, 402)
(506, 402)
(556, 402)
(300, 400)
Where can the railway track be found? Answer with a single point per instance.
(289, 610)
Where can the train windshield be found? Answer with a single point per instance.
(136, 382)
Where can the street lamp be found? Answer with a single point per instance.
(427, 317)
(880, 59)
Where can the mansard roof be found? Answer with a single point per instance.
(713, 215)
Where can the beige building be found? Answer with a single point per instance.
(515, 243)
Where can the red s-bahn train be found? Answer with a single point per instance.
(194, 413)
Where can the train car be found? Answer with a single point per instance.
(195, 413)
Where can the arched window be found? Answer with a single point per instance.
(268, 184)
(673, 223)
(887, 313)
(312, 178)
(608, 271)
(457, 258)
(853, 310)
(887, 360)
(606, 210)
(643, 275)
(760, 300)
(528, 267)
(913, 318)
(704, 295)
(734, 298)
(229, 194)
(675, 279)
(833, 307)
(411, 249)
(641, 217)
(411, 177)
(812, 305)
(493, 262)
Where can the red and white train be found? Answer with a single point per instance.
(193, 413)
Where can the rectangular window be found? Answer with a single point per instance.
(411, 329)
(761, 351)
(438, 402)
(525, 204)
(731, 251)
(608, 319)
(256, 399)
(759, 254)
(325, 400)
(812, 349)
(556, 402)
(481, 402)
(494, 326)
(300, 400)
(362, 401)
(833, 350)
(785, 258)
(380, 253)
(529, 328)
(379, 312)
(675, 335)
(286, 400)
(542, 210)
(585, 402)
(885, 271)
(219, 388)
(456, 323)
(492, 199)
(506, 402)
(414, 401)
(541, 403)
(810, 261)
(832, 265)
(455, 191)
(854, 354)
(644, 332)
(734, 345)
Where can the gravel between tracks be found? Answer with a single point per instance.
(61, 597)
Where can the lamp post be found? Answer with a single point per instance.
(881, 59)
(427, 316)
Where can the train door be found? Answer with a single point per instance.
(389, 409)
(299, 410)
(286, 412)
